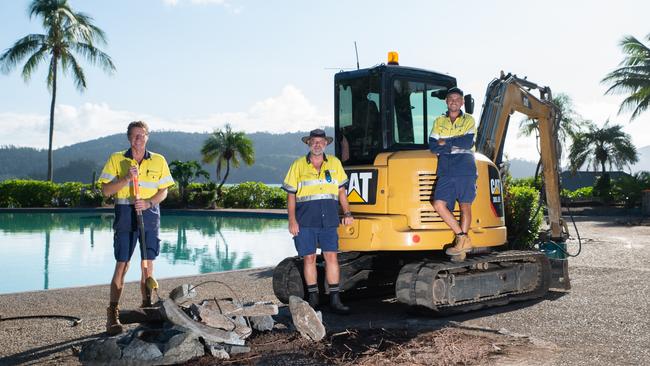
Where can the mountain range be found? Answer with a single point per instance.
(273, 155)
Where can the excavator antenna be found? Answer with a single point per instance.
(356, 53)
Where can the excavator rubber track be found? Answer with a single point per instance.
(478, 282)
(433, 285)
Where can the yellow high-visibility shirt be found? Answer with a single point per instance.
(153, 175)
(317, 193)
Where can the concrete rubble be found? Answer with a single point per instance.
(172, 333)
(307, 320)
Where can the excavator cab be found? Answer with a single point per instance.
(385, 109)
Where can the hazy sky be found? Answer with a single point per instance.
(193, 65)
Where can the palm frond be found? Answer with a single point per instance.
(94, 55)
(21, 49)
(78, 73)
(632, 77)
(32, 62)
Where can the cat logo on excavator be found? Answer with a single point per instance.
(362, 187)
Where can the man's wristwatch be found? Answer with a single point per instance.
(347, 214)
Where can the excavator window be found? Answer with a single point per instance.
(359, 134)
(415, 106)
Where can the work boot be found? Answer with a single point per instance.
(459, 258)
(463, 245)
(313, 300)
(113, 325)
(336, 305)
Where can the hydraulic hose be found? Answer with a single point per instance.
(75, 320)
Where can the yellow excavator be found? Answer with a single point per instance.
(383, 117)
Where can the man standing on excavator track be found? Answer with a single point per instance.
(315, 185)
(452, 139)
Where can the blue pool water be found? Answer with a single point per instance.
(55, 250)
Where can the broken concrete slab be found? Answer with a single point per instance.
(100, 352)
(305, 319)
(217, 351)
(182, 293)
(213, 317)
(234, 350)
(144, 346)
(139, 350)
(182, 347)
(176, 316)
(242, 327)
(234, 308)
(262, 323)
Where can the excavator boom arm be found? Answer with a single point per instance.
(510, 94)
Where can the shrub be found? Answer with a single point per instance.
(201, 195)
(580, 193)
(68, 194)
(628, 189)
(602, 188)
(523, 219)
(525, 182)
(27, 193)
(173, 199)
(91, 195)
(253, 195)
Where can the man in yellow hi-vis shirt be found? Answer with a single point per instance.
(315, 186)
(150, 170)
(452, 139)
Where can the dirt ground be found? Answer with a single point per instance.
(448, 346)
(603, 320)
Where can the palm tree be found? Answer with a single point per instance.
(633, 76)
(570, 122)
(67, 34)
(225, 146)
(602, 147)
(184, 173)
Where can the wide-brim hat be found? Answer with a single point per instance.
(317, 133)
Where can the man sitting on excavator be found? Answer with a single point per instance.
(452, 139)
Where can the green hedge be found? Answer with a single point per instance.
(523, 220)
(579, 194)
(36, 193)
(253, 195)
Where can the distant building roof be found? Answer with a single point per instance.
(579, 179)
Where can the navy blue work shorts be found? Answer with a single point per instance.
(124, 243)
(452, 189)
(309, 238)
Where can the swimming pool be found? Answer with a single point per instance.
(55, 250)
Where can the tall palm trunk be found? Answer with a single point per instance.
(224, 177)
(50, 175)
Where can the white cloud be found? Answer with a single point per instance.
(289, 111)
